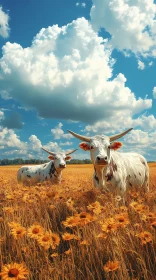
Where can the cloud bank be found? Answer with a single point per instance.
(131, 24)
(67, 74)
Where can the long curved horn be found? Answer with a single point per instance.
(53, 154)
(68, 153)
(117, 136)
(81, 137)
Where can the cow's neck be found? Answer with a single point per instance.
(99, 176)
(55, 174)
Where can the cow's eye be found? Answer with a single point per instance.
(91, 147)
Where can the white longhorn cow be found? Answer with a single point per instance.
(115, 171)
(51, 171)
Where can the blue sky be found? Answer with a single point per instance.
(88, 66)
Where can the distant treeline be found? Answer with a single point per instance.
(20, 161)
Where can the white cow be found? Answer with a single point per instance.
(115, 171)
(51, 171)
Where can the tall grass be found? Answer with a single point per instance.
(83, 234)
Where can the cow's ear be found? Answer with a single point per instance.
(68, 158)
(115, 145)
(51, 157)
(84, 146)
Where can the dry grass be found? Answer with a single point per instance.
(73, 231)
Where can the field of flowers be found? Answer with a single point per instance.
(75, 232)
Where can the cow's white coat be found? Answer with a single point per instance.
(116, 171)
(51, 171)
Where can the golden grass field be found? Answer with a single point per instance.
(75, 232)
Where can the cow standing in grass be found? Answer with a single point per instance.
(50, 171)
(115, 171)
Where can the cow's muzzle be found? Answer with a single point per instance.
(100, 160)
(62, 165)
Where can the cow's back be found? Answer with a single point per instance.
(132, 169)
(28, 173)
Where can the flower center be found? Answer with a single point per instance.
(109, 227)
(121, 220)
(13, 272)
(18, 231)
(54, 238)
(35, 230)
(45, 238)
(82, 216)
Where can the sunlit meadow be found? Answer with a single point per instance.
(74, 231)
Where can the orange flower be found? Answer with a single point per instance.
(111, 266)
(71, 221)
(134, 194)
(54, 255)
(84, 242)
(153, 224)
(35, 230)
(18, 232)
(122, 220)
(145, 237)
(68, 252)
(133, 204)
(67, 236)
(86, 218)
(95, 207)
(150, 217)
(14, 271)
(14, 224)
(140, 208)
(45, 240)
(51, 206)
(109, 225)
(9, 210)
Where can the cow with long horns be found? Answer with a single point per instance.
(50, 171)
(115, 171)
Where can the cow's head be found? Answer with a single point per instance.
(100, 146)
(59, 158)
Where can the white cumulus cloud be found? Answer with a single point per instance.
(9, 139)
(154, 92)
(1, 114)
(35, 143)
(4, 24)
(11, 146)
(67, 73)
(83, 5)
(131, 24)
(58, 132)
(137, 137)
(150, 63)
(141, 65)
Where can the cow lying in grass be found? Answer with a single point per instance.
(115, 171)
(50, 171)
